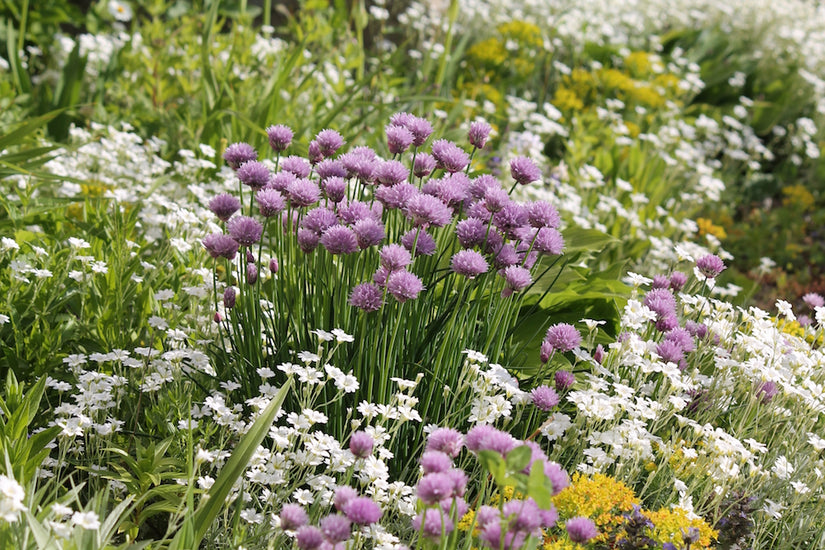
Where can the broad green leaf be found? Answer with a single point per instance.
(537, 489)
(518, 458)
(493, 463)
(578, 239)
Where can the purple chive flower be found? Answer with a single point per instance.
(767, 391)
(426, 211)
(250, 257)
(280, 137)
(399, 139)
(329, 141)
(459, 481)
(292, 517)
(359, 163)
(677, 281)
(496, 198)
(485, 437)
(510, 218)
(319, 220)
(247, 231)
(419, 127)
(661, 301)
(360, 444)
(563, 337)
(335, 188)
(229, 297)
(491, 537)
(598, 355)
(380, 276)
(507, 257)
(698, 330)
(369, 232)
(470, 232)
(362, 510)
(544, 398)
(548, 241)
(710, 265)
(543, 214)
(424, 244)
(297, 166)
(336, 528)
(366, 296)
(394, 257)
(396, 196)
(281, 181)
(516, 278)
(581, 529)
(309, 537)
(670, 351)
(435, 462)
(469, 263)
(549, 517)
(557, 476)
(273, 266)
(224, 205)
(270, 202)
(453, 189)
(354, 211)
(391, 172)
(239, 153)
(487, 515)
(303, 192)
(221, 246)
(330, 168)
(811, 299)
(308, 240)
(546, 351)
(480, 185)
(339, 239)
(667, 323)
(450, 156)
(523, 515)
(314, 153)
(435, 487)
(404, 285)
(524, 171)
(660, 281)
(682, 337)
(424, 165)
(434, 523)
(564, 380)
(343, 495)
(804, 321)
(251, 274)
(479, 134)
(446, 440)
(254, 174)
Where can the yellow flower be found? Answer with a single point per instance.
(668, 525)
(567, 100)
(797, 196)
(600, 498)
(707, 227)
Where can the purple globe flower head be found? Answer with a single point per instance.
(677, 281)
(254, 174)
(289, 221)
(395, 257)
(496, 198)
(397, 196)
(434, 523)
(660, 281)
(516, 278)
(404, 285)
(329, 141)
(281, 181)
(667, 323)
(710, 266)
(697, 330)
(340, 239)
(487, 515)
(544, 398)
(543, 214)
(469, 263)
(581, 529)
(479, 134)
(804, 321)
(460, 481)
(507, 257)
(477, 209)
(314, 153)
(450, 156)
(485, 437)
(369, 232)
(524, 171)
(354, 211)
(670, 351)
(557, 476)
(546, 351)
(229, 297)
(683, 338)
(435, 462)
(270, 202)
(421, 129)
(453, 189)
(343, 495)
(360, 163)
(292, 517)
(428, 211)
(366, 297)
(491, 537)
(221, 246)
(280, 137)
(309, 537)
(239, 153)
(224, 205)
(549, 517)
(391, 172)
(538, 457)
(563, 337)
(247, 231)
(424, 165)
(361, 444)
(380, 276)
(273, 266)
(362, 510)
(319, 220)
(424, 242)
(511, 217)
(480, 185)
(564, 380)
(298, 166)
(767, 391)
(661, 301)
(470, 232)
(303, 192)
(446, 440)
(548, 241)
(250, 256)
(813, 300)
(308, 240)
(401, 119)
(457, 505)
(330, 168)
(435, 487)
(251, 274)
(598, 355)
(431, 187)
(523, 515)
(335, 188)
(336, 528)
(399, 139)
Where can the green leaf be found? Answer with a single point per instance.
(493, 463)
(579, 239)
(40, 534)
(518, 458)
(537, 488)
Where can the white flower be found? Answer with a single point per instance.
(475, 356)
(120, 11)
(323, 336)
(11, 499)
(341, 336)
(205, 482)
(782, 469)
(8, 244)
(86, 520)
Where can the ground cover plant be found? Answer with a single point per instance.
(422, 275)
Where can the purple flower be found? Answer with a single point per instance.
(661, 301)
(496, 198)
(309, 537)
(339, 239)
(767, 391)
(681, 337)
(399, 139)
(394, 257)
(670, 351)
(435, 523)
(450, 156)
(239, 153)
(516, 278)
(667, 323)
(396, 196)
(280, 137)
(380, 276)
(254, 174)
(319, 220)
(598, 355)
(391, 172)
(546, 351)
(423, 241)
(404, 285)
(247, 231)
(314, 153)
(369, 232)
(557, 476)
(548, 241)
(507, 257)
(469, 263)
(446, 440)
(362, 510)
(470, 232)
(292, 517)
(564, 380)
(435, 487)
(485, 437)
(366, 296)
(511, 217)
(581, 529)
(419, 127)
(343, 495)
(308, 240)
(221, 246)
(251, 274)
(360, 444)
(710, 266)
(487, 515)
(543, 214)
(330, 168)
(359, 163)
(524, 171)
(523, 515)
(660, 281)
(563, 337)
(229, 297)
(478, 134)
(297, 166)
(270, 202)
(424, 165)
(336, 528)
(426, 211)
(435, 461)
(335, 188)
(303, 192)
(480, 185)
(491, 537)
(677, 281)
(281, 181)
(544, 398)
(224, 205)
(698, 330)
(549, 517)
(813, 300)
(273, 266)
(329, 141)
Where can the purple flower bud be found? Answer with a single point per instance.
(224, 205)
(280, 137)
(251, 274)
(524, 171)
(314, 153)
(360, 444)
(273, 266)
(217, 318)
(677, 281)
(598, 355)
(564, 380)
(366, 296)
(254, 174)
(767, 391)
(548, 241)
(307, 240)
(239, 153)
(229, 297)
(478, 134)
(546, 351)
(250, 257)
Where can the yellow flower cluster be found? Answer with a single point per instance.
(797, 196)
(513, 50)
(707, 227)
(795, 329)
(669, 523)
(601, 498)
